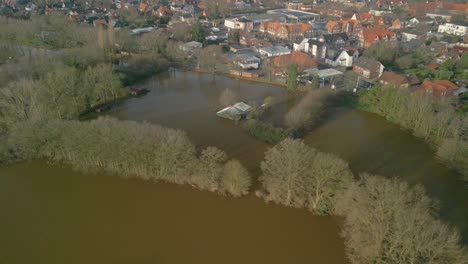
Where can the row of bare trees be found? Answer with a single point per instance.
(434, 120)
(128, 149)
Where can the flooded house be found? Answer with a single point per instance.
(235, 112)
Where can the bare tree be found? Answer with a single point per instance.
(329, 177)
(284, 170)
(210, 58)
(236, 179)
(228, 97)
(386, 221)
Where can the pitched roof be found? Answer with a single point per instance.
(275, 26)
(377, 32)
(330, 25)
(363, 16)
(439, 87)
(142, 7)
(302, 27)
(332, 38)
(367, 63)
(296, 57)
(393, 78)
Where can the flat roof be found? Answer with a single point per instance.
(295, 13)
(325, 73)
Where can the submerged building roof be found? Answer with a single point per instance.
(235, 112)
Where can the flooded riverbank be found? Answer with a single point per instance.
(188, 101)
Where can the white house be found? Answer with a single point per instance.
(274, 51)
(239, 23)
(344, 58)
(313, 47)
(455, 29)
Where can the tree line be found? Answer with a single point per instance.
(434, 120)
(128, 149)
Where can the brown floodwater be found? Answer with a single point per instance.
(51, 214)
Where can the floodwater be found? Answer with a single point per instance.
(52, 214)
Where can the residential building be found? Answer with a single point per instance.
(344, 58)
(455, 29)
(409, 34)
(336, 40)
(439, 88)
(370, 35)
(302, 60)
(393, 79)
(239, 23)
(246, 61)
(274, 51)
(288, 31)
(368, 68)
(312, 47)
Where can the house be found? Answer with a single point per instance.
(163, 11)
(396, 24)
(413, 22)
(421, 8)
(344, 58)
(409, 34)
(393, 79)
(191, 46)
(235, 112)
(274, 51)
(439, 88)
(312, 47)
(343, 26)
(437, 49)
(454, 29)
(370, 35)
(246, 61)
(248, 40)
(368, 68)
(336, 40)
(301, 59)
(325, 75)
(289, 31)
(412, 45)
(142, 7)
(239, 23)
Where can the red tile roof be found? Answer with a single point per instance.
(377, 32)
(457, 7)
(330, 25)
(389, 77)
(296, 57)
(439, 87)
